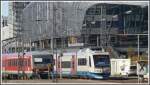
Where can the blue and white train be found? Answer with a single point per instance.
(87, 63)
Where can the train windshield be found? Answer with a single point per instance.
(101, 60)
(43, 59)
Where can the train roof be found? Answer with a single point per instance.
(39, 52)
(30, 53)
(75, 50)
(58, 51)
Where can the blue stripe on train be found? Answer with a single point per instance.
(87, 74)
(93, 75)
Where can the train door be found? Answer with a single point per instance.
(73, 65)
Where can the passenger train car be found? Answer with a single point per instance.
(87, 63)
(32, 60)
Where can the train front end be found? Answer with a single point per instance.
(40, 64)
(101, 65)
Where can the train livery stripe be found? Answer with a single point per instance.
(86, 74)
(15, 72)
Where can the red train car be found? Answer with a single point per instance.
(12, 64)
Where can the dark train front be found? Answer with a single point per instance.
(41, 64)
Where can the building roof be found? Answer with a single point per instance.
(73, 17)
(143, 3)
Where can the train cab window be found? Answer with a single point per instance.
(82, 61)
(46, 60)
(38, 60)
(101, 60)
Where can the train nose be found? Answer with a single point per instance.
(100, 70)
(95, 76)
(106, 70)
(41, 68)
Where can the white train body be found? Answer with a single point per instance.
(83, 63)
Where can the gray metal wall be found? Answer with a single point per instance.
(40, 21)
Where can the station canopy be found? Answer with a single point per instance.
(73, 16)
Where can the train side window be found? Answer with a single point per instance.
(6, 63)
(29, 63)
(9, 62)
(20, 62)
(3, 64)
(82, 61)
(66, 64)
(25, 63)
(89, 61)
(12, 62)
(15, 62)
